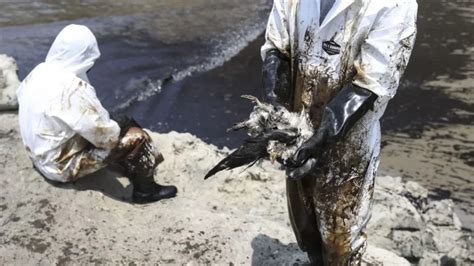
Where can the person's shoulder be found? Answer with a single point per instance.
(52, 73)
(45, 76)
(404, 3)
(82, 87)
(78, 82)
(391, 4)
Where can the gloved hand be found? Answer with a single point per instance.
(304, 170)
(276, 76)
(339, 116)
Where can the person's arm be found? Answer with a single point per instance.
(276, 70)
(82, 111)
(380, 65)
(386, 51)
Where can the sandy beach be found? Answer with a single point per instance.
(237, 217)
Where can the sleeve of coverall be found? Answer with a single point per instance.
(386, 51)
(277, 33)
(88, 118)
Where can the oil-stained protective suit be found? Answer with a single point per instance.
(66, 130)
(360, 45)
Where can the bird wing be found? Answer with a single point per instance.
(251, 151)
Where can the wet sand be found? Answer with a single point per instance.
(235, 218)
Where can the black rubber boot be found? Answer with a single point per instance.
(315, 260)
(145, 190)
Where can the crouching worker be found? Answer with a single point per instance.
(66, 130)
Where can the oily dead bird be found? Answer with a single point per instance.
(253, 150)
(273, 132)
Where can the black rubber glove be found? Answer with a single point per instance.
(307, 168)
(277, 78)
(339, 116)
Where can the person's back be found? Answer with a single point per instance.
(58, 107)
(49, 120)
(38, 95)
(66, 130)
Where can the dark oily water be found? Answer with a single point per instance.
(142, 43)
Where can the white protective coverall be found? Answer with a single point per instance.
(64, 127)
(367, 42)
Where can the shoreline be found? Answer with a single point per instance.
(235, 217)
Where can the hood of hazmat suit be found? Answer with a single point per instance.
(59, 113)
(365, 43)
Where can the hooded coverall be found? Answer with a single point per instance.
(364, 42)
(66, 130)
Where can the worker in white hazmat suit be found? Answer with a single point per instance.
(341, 61)
(67, 132)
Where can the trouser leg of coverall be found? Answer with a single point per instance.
(142, 157)
(84, 163)
(339, 211)
(141, 161)
(303, 218)
(79, 165)
(140, 166)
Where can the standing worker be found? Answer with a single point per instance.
(67, 132)
(341, 61)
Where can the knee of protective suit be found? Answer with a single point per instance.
(141, 157)
(133, 137)
(132, 144)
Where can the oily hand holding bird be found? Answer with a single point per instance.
(273, 131)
